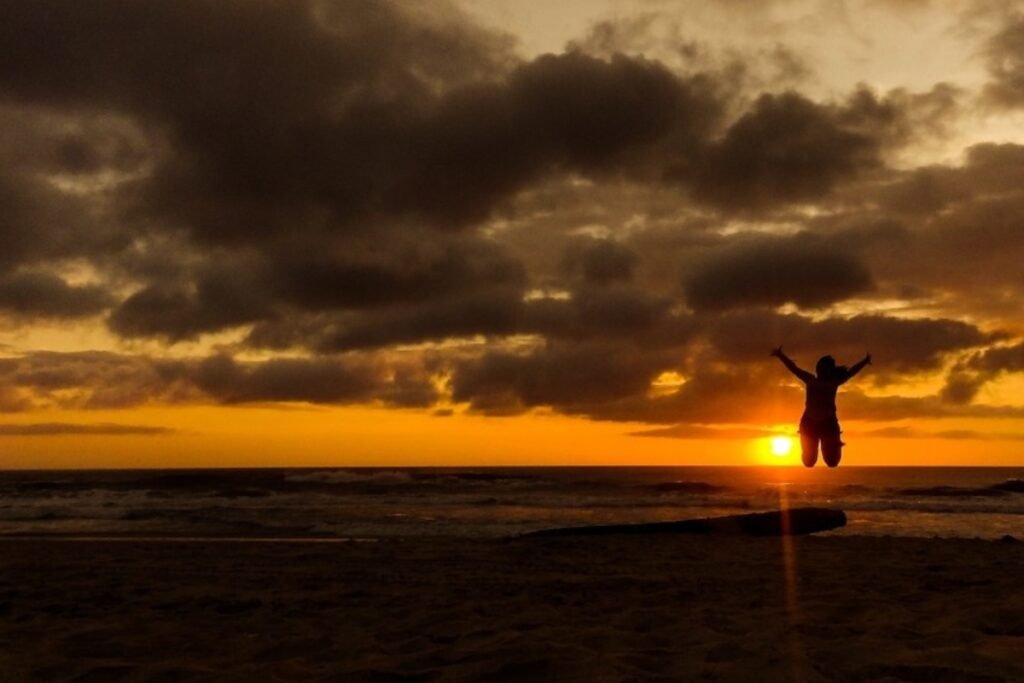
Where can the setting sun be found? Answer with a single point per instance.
(781, 445)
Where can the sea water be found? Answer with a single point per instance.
(371, 503)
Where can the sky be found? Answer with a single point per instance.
(507, 232)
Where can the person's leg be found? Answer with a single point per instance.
(809, 448)
(832, 450)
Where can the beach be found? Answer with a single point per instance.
(661, 608)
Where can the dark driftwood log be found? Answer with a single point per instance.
(790, 522)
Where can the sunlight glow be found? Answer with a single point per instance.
(781, 446)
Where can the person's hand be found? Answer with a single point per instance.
(777, 352)
(867, 358)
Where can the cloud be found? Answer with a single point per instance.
(599, 261)
(70, 429)
(967, 378)
(497, 311)
(47, 295)
(618, 311)
(789, 149)
(772, 272)
(93, 379)
(313, 380)
(621, 312)
(957, 434)
(570, 377)
(859, 406)
(615, 381)
(99, 380)
(999, 359)
(899, 345)
(949, 233)
(1004, 53)
(321, 381)
(175, 313)
(404, 273)
(698, 431)
(712, 394)
(987, 171)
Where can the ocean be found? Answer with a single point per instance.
(354, 504)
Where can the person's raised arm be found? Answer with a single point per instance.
(858, 366)
(801, 374)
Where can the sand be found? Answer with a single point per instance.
(581, 609)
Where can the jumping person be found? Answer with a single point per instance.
(819, 421)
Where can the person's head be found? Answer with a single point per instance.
(826, 367)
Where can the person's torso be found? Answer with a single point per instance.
(821, 399)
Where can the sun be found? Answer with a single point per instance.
(781, 446)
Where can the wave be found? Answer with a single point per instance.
(692, 487)
(1007, 487)
(349, 477)
(369, 477)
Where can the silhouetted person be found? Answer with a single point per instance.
(819, 421)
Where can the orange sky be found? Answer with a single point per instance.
(319, 437)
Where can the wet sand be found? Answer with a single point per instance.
(580, 609)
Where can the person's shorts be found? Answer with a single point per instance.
(819, 428)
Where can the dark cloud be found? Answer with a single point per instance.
(39, 223)
(697, 431)
(769, 272)
(988, 170)
(571, 377)
(71, 429)
(999, 359)
(616, 381)
(401, 273)
(280, 291)
(324, 381)
(970, 253)
(789, 149)
(93, 379)
(945, 235)
(1004, 52)
(619, 311)
(600, 261)
(591, 112)
(217, 301)
(609, 312)
(712, 394)
(858, 406)
(961, 387)
(899, 345)
(493, 312)
(96, 380)
(313, 380)
(967, 378)
(55, 168)
(47, 295)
